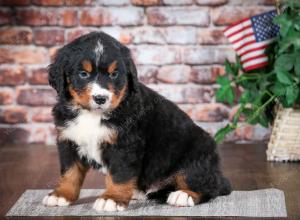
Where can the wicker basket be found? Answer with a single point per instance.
(284, 144)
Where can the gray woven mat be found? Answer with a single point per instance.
(258, 203)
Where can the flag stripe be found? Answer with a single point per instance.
(254, 62)
(254, 58)
(254, 45)
(252, 54)
(237, 27)
(250, 41)
(254, 49)
(245, 36)
(256, 66)
(238, 31)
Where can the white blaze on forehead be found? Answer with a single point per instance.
(96, 89)
(98, 50)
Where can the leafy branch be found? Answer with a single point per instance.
(262, 89)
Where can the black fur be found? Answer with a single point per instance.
(155, 138)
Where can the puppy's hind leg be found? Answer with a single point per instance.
(184, 196)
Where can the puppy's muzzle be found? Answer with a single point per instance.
(100, 99)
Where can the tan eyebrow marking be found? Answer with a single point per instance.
(112, 67)
(87, 66)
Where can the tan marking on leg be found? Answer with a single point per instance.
(113, 137)
(87, 66)
(112, 67)
(117, 97)
(180, 183)
(81, 97)
(71, 182)
(119, 192)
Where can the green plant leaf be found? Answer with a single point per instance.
(279, 89)
(225, 92)
(292, 93)
(221, 133)
(245, 97)
(297, 65)
(263, 120)
(284, 77)
(223, 80)
(229, 68)
(285, 62)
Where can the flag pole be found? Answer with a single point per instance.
(277, 2)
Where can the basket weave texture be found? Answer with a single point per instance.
(284, 144)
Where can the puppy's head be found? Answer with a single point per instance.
(94, 72)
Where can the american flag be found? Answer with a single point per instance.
(251, 36)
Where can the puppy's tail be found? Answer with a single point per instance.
(162, 194)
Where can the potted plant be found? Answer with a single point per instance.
(268, 94)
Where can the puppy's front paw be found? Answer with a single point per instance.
(53, 200)
(180, 198)
(107, 205)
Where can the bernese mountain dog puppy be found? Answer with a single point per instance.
(107, 120)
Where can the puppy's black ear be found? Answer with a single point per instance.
(131, 69)
(57, 76)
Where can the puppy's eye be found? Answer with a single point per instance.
(114, 75)
(83, 74)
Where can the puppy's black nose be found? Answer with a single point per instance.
(100, 99)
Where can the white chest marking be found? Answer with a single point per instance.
(88, 133)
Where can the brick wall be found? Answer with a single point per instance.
(178, 47)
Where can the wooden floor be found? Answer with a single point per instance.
(36, 167)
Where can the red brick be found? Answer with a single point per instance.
(15, 35)
(48, 2)
(178, 2)
(210, 112)
(146, 2)
(180, 35)
(112, 16)
(78, 2)
(68, 18)
(37, 16)
(53, 51)
(23, 55)
(207, 55)
(42, 115)
(211, 36)
(198, 94)
(38, 135)
(157, 55)
(178, 16)
(253, 2)
(13, 115)
(184, 94)
(5, 16)
(205, 75)
(115, 2)
(174, 74)
(49, 36)
(122, 35)
(15, 2)
(72, 34)
(10, 76)
(38, 77)
(236, 14)
(148, 34)
(36, 97)
(187, 108)
(147, 74)
(6, 97)
(14, 135)
(211, 2)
